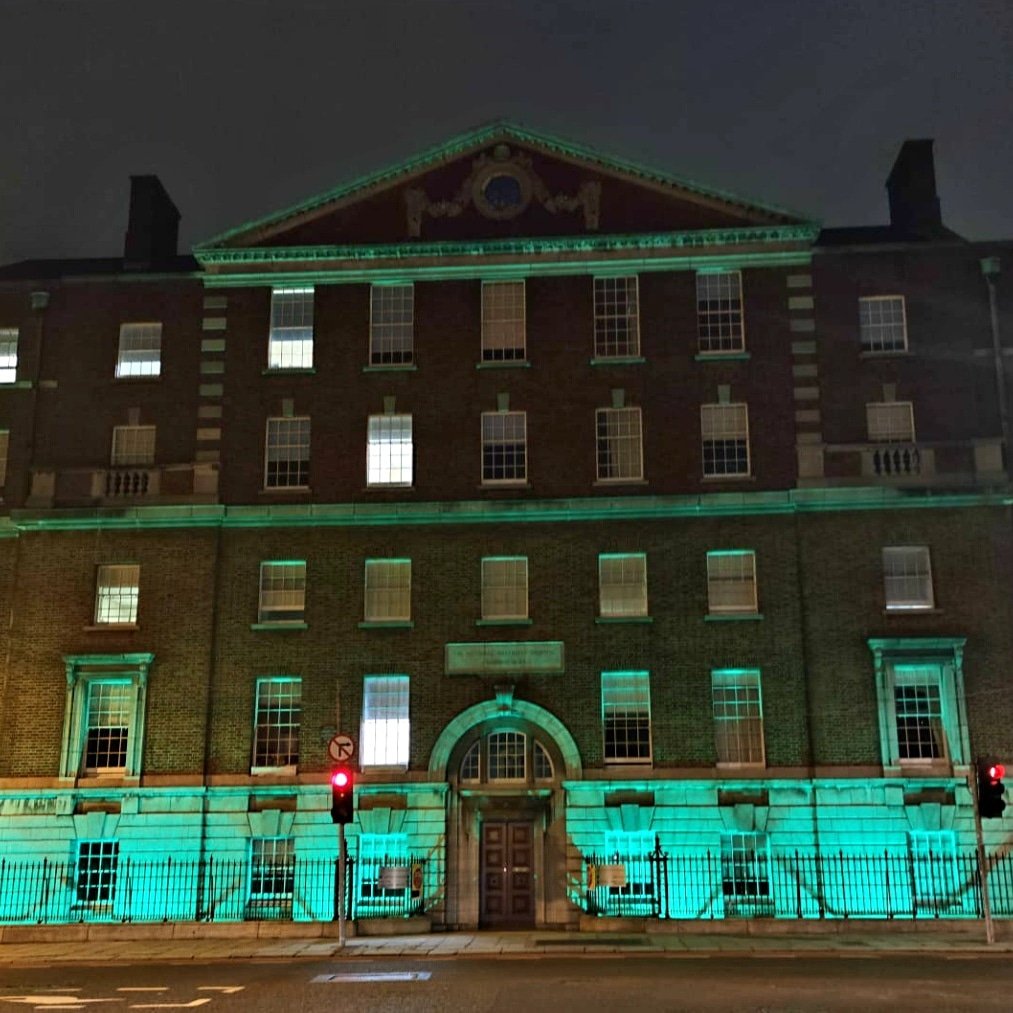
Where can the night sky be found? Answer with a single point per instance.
(243, 107)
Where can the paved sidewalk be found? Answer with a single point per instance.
(532, 944)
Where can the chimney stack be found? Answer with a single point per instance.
(153, 226)
(911, 185)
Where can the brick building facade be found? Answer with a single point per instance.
(615, 517)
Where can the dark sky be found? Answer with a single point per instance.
(245, 106)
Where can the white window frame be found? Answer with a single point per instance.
(385, 732)
(291, 448)
(277, 718)
(619, 445)
(117, 594)
(390, 451)
(745, 866)
(622, 585)
(387, 596)
(907, 578)
(882, 324)
(132, 446)
(290, 338)
(617, 317)
(936, 883)
(719, 313)
(282, 598)
(890, 421)
(506, 751)
(82, 672)
(9, 355)
(504, 588)
(503, 434)
(626, 709)
(392, 325)
(720, 425)
(272, 862)
(140, 350)
(96, 869)
(737, 703)
(731, 582)
(504, 311)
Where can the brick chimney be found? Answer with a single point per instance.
(153, 226)
(911, 185)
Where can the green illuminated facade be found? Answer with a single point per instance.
(654, 545)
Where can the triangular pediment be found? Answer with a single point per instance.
(501, 182)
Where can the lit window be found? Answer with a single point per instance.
(389, 450)
(882, 323)
(381, 869)
(616, 318)
(626, 716)
(4, 446)
(388, 590)
(282, 592)
(97, 865)
(8, 354)
(622, 585)
(542, 763)
(290, 344)
(507, 756)
(385, 729)
(133, 445)
(620, 452)
(719, 312)
(287, 453)
(632, 850)
(907, 578)
(731, 581)
(272, 870)
(110, 709)
(890, 421)
(276, 727)
(505, 587)
(391, 324)
(738, 716)
(745, 869)
(724, 430)
(503, 321)
(504, 447)
(935, 880)
(140, 352)
(105, 715)
(117, 590)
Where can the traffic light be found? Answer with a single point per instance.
(990, 789)
(342, 783)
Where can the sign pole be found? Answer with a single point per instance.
(341, 885)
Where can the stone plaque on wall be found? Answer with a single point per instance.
(518, 657)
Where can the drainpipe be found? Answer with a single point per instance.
(990, 270)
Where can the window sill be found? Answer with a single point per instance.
(614, 620)
(112, 627)
(505, 485)
(387, 624)
(641, 762)
(270, 490)
(745, 477)
(295, 371)
(890, 353)
(504, 364)
(610, 482)
(393, 367)
(724, 617)
(722, 357)
(504, 622)
(17, 385)
(731, 767)
(617, 360)
(912, 612)
(381, 768)
(278, 627)
(287, 771)
(138, 379)
(382, 486)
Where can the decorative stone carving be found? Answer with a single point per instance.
(501, 185)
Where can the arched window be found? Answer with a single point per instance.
(506, 757)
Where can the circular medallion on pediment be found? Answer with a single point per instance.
(502, 189)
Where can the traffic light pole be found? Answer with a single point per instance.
(340, 885)
(986, 906)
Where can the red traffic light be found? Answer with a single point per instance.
(996, 772)
(342, 795)
(340, 778)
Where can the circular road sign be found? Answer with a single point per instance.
(341, 748)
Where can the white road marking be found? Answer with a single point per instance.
(171, 1005)
(53, 1001)
(365, 976)
(140, 988)
(226, 989)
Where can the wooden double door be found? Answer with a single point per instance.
(507, 873)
